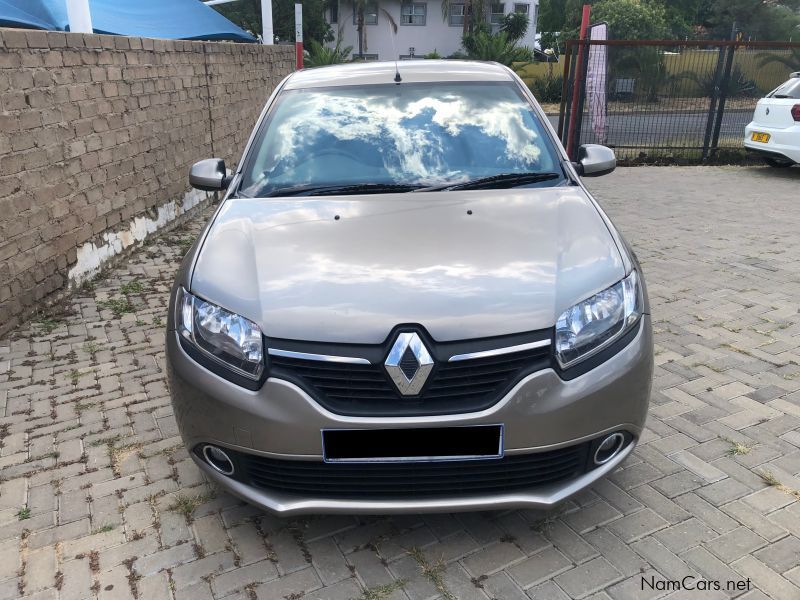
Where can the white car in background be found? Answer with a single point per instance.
(774, 132)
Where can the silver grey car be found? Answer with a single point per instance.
(408, 301)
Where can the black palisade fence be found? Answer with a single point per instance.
(668, 101)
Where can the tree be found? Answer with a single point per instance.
(552, 15)
(685, 17)
(247, 15)
(680, 19)
(627, 19)
(360, 6)
(474, 15)
(790, 61)
(758, 19)
(515, 25)
(632, 19)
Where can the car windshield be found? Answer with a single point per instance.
(790, 89)
(415, 135)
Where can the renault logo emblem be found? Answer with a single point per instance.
(409, 364)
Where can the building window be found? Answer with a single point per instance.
(498, 12)
(413, 13)
(522, 8)
(370, 14)
(456, 15)
(334, 13)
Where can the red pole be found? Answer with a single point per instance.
(576, 89)
(298, 34)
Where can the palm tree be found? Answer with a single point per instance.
(791, 61)
(474, 13)
(359, 7)
(319, 55)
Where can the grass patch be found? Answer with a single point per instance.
(90, 347)
(132, 287)
(738, 448)
(119, 306)
(187, 504)
(157, 321)
(53, 454)
(104, 441)
(769, 478)
(708, 366)
(433, 572)
(24, 513)
(49, 325)
(734, 349)
(183, 244)
(119, 454)
(380, 592)
(74, 376)
(105, 528)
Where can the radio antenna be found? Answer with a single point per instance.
(392, 31)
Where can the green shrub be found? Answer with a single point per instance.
(547, 89)
(496, 47)
(319, 55)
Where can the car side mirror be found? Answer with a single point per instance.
(595, 160)
(209, 175)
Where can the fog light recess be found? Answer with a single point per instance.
(609, 448)
(218, 459)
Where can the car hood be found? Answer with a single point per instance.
(463, 264)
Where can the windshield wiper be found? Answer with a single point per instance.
(501, 181)
(344, 190)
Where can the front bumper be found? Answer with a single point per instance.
(542, 412)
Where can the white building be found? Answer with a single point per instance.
(420, 26)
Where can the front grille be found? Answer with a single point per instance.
(415, 479)
(463, 386)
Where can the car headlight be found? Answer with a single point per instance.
(589, 326)
(226, 337)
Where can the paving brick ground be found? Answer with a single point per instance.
(99, 500)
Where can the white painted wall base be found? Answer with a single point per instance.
(93, 256)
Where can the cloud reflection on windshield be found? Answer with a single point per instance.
(414, 135)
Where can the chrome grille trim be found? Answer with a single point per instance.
(318, 357)
(499, 351)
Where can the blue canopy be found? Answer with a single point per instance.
(171, 19)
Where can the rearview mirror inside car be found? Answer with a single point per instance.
(208, 175)
(595, 160)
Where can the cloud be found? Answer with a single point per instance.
(411, 134)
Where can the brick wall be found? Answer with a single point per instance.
(97, 134)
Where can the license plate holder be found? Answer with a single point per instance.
(416, 444)
(760, 137)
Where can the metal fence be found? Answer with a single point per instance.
(668, 101)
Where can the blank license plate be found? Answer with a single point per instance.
(760, 137)
(415, 444)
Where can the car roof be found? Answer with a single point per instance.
(411, 71)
